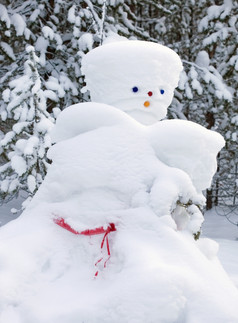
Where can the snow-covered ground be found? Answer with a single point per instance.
(218, 228)
(5, 210)
(215, 227)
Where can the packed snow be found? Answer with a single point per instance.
(129, 182)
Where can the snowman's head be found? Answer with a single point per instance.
(137, 77)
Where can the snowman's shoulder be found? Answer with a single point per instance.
(179, 133)
(83, 117)
(187, 146)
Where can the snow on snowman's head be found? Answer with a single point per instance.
(137, 77)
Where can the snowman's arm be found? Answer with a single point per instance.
(176, 196)
(173, 188)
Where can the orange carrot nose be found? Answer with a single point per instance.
(146, 104)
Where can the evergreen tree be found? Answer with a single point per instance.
(25, 146)
(219, 43)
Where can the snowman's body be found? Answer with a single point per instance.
(129, 164)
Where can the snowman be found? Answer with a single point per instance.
(139, 78)
(108, 237)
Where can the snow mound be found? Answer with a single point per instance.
(155, 274)
(135, 76)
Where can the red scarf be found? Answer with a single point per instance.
(101, 230)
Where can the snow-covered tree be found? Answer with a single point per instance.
(26, 144)
(219, 29)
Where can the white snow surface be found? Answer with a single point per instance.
(114, 69)
(106, 169)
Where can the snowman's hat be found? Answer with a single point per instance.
(133, 75)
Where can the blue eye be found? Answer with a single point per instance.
(135, 89)
(162, 91)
